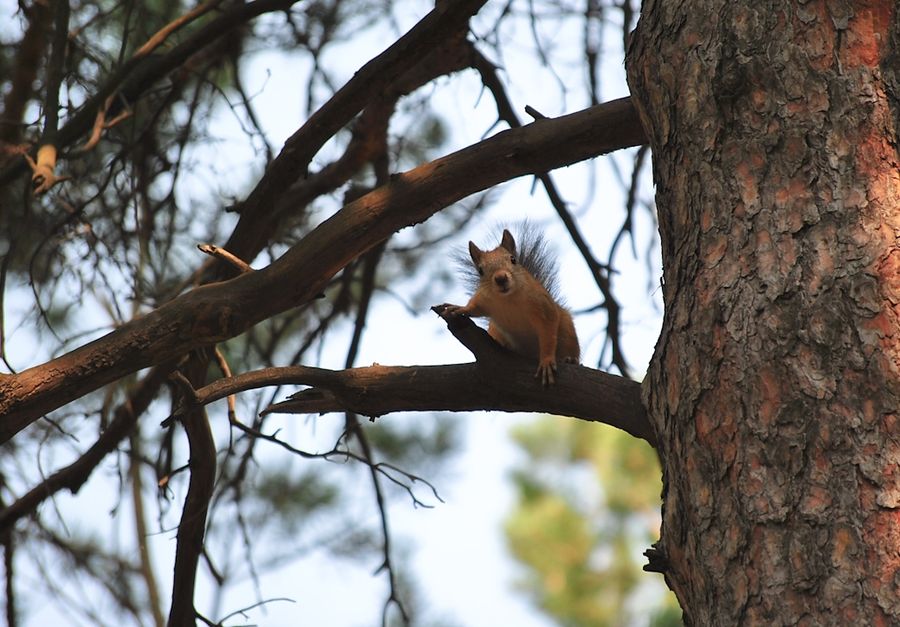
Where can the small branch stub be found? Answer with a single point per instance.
(220, 253)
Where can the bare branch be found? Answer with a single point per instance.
(143, 72)
(499, 381)
(192, 526)
(157, 39)
(220, 253)
(212, 313)
(73, 476)
(446, 20)
(435, 46)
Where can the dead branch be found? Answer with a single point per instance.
(160, 36)
(43, 171)
(100, 122)
(220, 253)
(73, 476)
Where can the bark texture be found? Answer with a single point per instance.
(775, 385)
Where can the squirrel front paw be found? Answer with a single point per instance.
(545, 371)
(451, 310)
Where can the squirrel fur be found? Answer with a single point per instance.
(515, 289)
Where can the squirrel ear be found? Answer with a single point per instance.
(508, 242)
(475, 253)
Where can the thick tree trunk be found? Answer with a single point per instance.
(775, 385)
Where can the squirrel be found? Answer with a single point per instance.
(517, 293)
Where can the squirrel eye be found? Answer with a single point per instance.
(480, 270)
(512, 260)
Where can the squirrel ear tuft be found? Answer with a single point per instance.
(508, 242)
(475, 252)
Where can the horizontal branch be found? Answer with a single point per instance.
(219, 311)
(374, 391)
(498, 380)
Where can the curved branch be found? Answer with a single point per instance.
(216, 312)
(192, 526)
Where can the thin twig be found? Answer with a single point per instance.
(140, 530)
(226, 372)
(220, 253)
(160, 36)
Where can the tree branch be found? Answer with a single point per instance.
(216, 312)
(140, 73)
(498, 380)
(433, 47)
(192, 526)
(73, 476)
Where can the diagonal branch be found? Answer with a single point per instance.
(434, 46)
(73, 476)
(216, 312)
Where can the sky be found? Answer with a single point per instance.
(456, 548)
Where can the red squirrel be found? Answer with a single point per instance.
(515, 293)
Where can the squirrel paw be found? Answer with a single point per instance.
(451, 310)
(545, 372)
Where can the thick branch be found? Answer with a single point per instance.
(219, 311)
(498, 381)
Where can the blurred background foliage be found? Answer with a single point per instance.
(588, 499)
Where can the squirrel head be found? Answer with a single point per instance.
(497, 266)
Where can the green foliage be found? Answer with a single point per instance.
(588, 502)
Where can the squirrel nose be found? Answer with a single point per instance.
(502, 280)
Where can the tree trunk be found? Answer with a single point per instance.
(775, 385)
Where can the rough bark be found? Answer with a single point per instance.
(775, 384)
